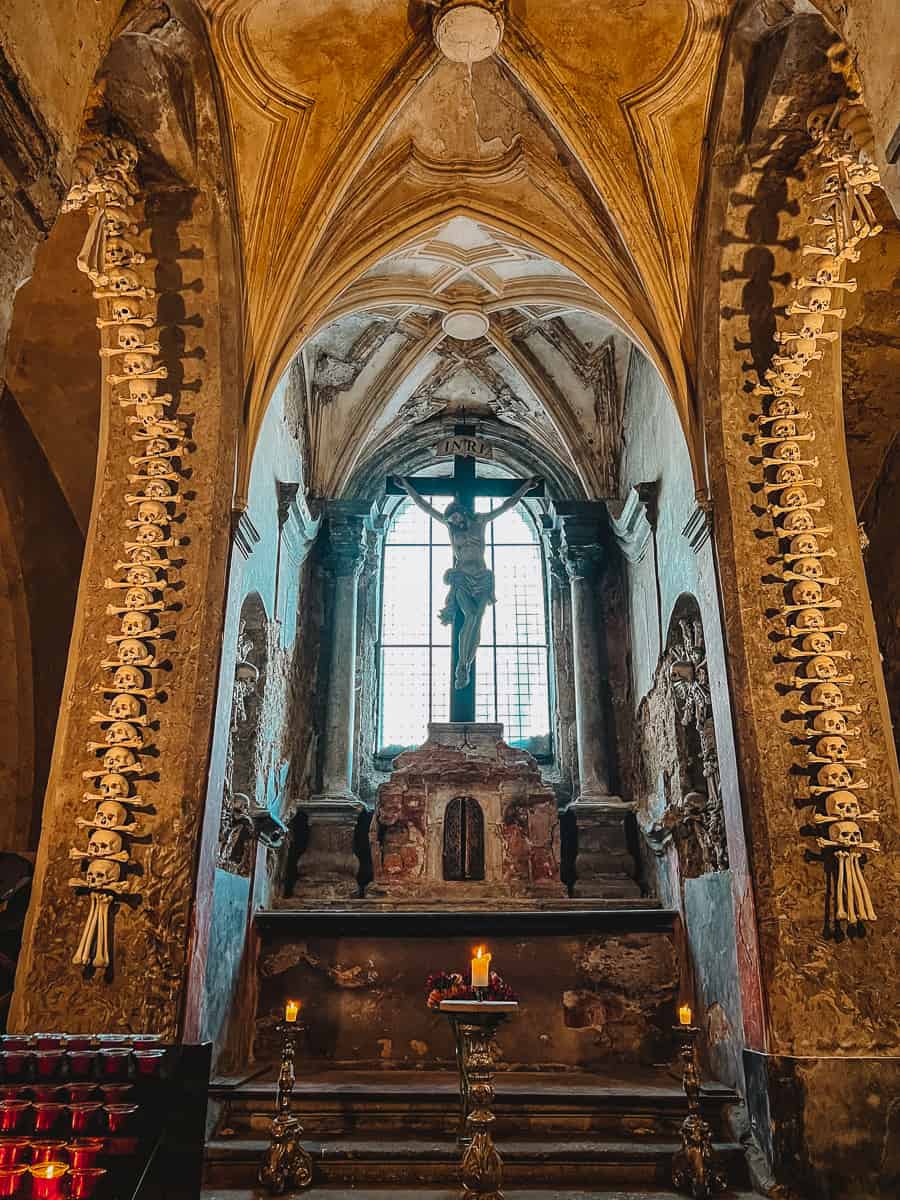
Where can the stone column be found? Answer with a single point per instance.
(328, 866)
(604, 866)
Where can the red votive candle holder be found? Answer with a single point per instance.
(49, 1041)
(15, 1063)
(46, 1091)
(148, 1061)
(81, 1062)
(76, 1042)
(80, 1092)
(13, 1150)
(12, 1091)
(116, 1093)
(114, 1061)
(13, 1114)
(14, 1043)
(84, 1113)
(83, 1183)
(48, 1180)
(11, 1179)
(46, 1149)
(84, 1153)
(113, 1039)
(118, 1116)
(48, 1062)
(46, 1115)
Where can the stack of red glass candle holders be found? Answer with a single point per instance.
(68, 1110)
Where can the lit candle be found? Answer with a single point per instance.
(48, 1180)
(684, 1014)
(481, 968)
(291, 1010)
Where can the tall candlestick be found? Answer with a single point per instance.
(481, 968)
(291, 1011)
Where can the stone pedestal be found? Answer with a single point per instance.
(604, 866)
(329, 866)
(512, 810)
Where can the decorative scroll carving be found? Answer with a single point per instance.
(235, 828)
(840, 213)
(105, 184)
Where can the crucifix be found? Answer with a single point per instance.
(470, 580)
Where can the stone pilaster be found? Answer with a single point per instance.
(328, 866)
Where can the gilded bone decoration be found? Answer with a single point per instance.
(841, 216)
(105, 184)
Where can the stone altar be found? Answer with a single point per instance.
(465, 817)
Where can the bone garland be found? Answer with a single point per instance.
(841, 216)
(105, 184)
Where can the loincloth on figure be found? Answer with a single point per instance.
(477, 586)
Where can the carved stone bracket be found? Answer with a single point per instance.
(299, 527)
(633, 520)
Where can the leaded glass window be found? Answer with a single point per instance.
(512, 667)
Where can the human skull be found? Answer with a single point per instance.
(812, 618)
(789, 473)
(149, 411)
(117, 252)
(156, 445)
(782, 406)
(784, 428)
(135, 597)
(787, 451)
(123, 280)
(148, 534)
(137, 364)
(817, 643)
(794, 497)
(144, 554)
(821, 667)
(818, 299)
(136, 623)
(830, 721)
(807, 592)
(117, 223)
(121, 731)
(125, 707)
(158, 489)
(103, 842)
(132, 651)
(832, 747)
(110, 813)
(804, 348)
(102, 872)
(130, 337)
(812, 324)
(828, 695)
(128, 679)
(152, 512)
(118, 758)
(142, 390)
(835, 775)
(125, 310)
(113, 787)
(141, 576)
(810, 567)
(843, 805)
(157, 466)
(805, 543)
(848, 833)
(798, 520)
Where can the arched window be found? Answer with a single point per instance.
(512, 667)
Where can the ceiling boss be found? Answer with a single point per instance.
(467, 31)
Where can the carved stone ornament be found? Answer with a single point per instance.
(841, 177)
(468, 31)
(105, 184)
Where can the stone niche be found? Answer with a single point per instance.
(465, 818)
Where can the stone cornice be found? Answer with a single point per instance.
(633, 520)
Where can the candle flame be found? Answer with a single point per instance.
(684, 1014)
(291, 1010)
(479, 951)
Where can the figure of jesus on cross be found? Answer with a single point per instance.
(469, 579)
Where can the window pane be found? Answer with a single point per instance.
(519, 585)
(405, 611)
(404, 697)
(410, 525)
(441, 559)
(484, 684)
(440, 684)
(523, 700)
(513, 527)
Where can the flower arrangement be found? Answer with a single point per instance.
(450, 985)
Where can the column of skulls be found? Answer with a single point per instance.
(106, 185)
(841, 217)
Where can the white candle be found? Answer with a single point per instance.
(481, 968)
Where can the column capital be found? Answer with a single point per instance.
(345, 548)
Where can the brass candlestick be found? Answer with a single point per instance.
(693, 1166)
(475, 1025)
(287, 1164)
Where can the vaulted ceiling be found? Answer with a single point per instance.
(574, 156)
